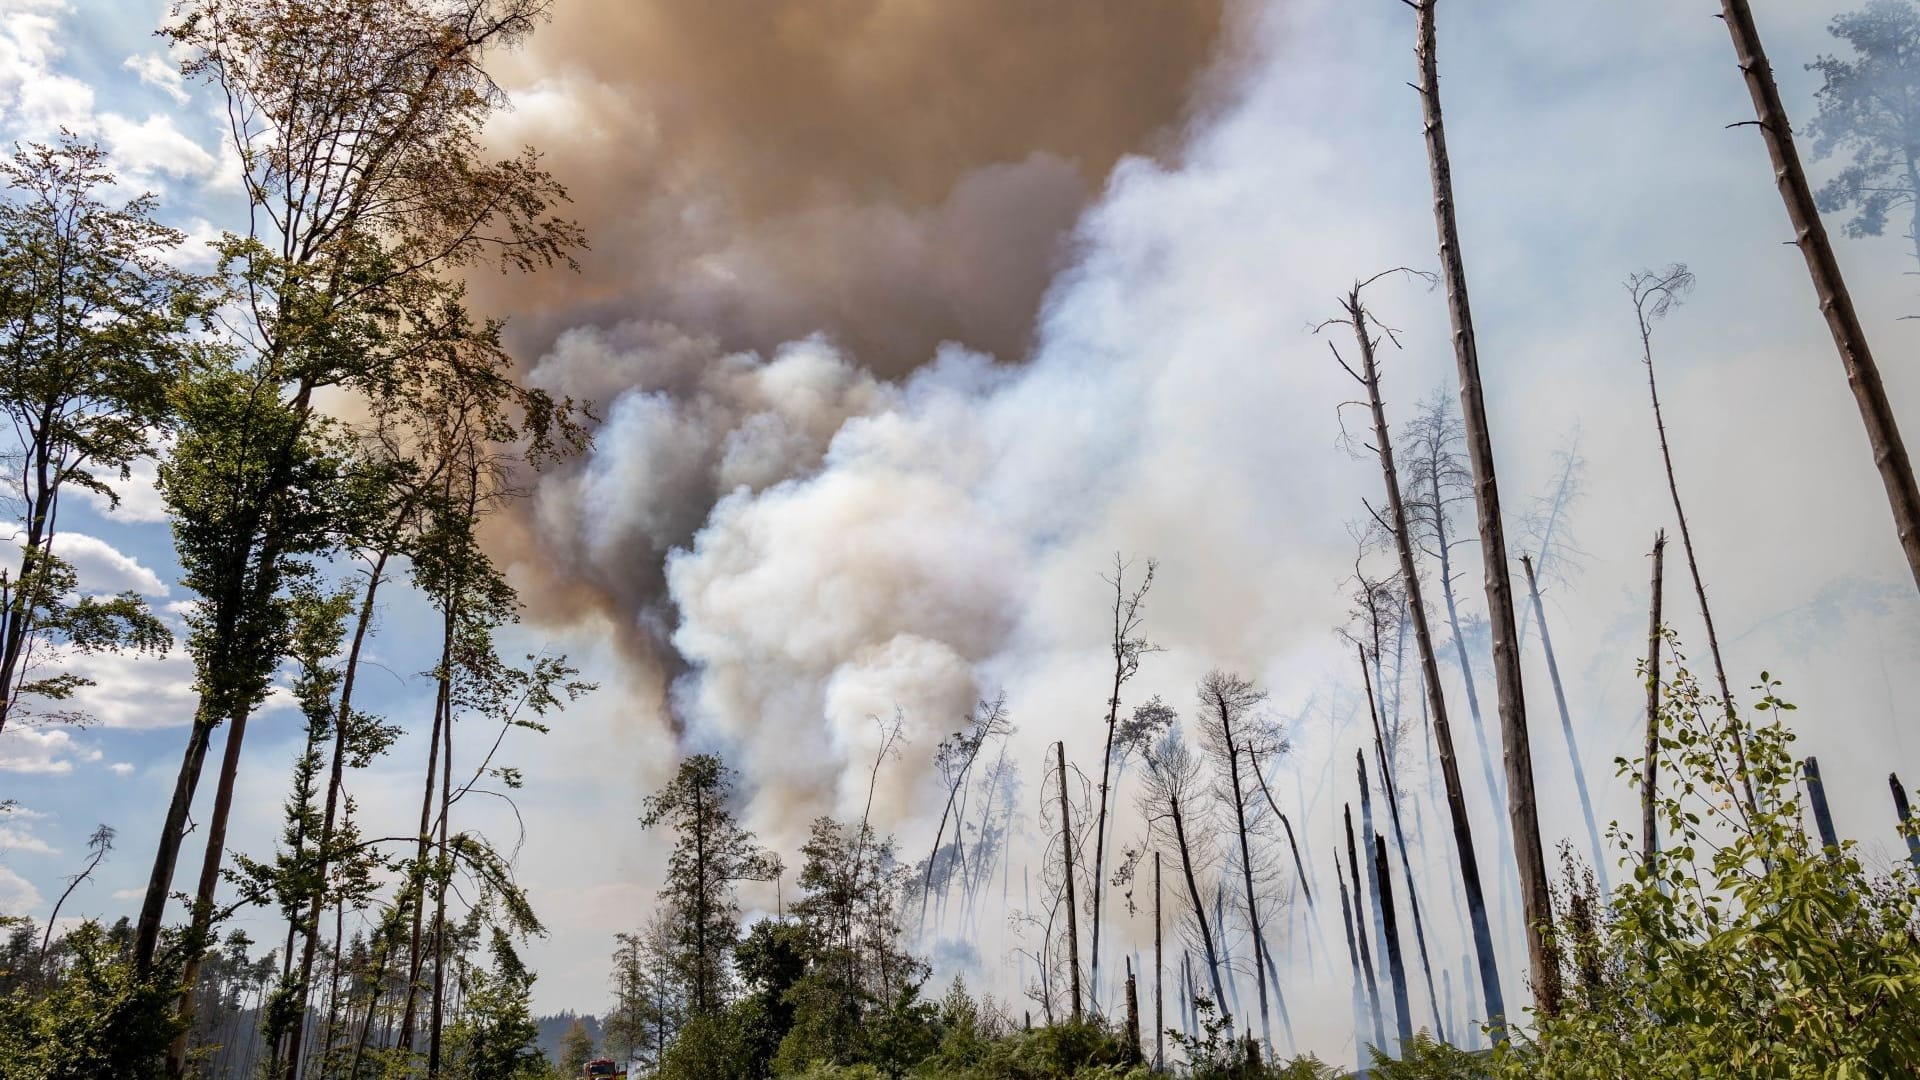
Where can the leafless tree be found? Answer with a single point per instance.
(1170, 801)
(1127, 646)
(1836, 304)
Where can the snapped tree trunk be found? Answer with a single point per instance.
(1360, 935)
(1650, 765)
(1468, 860)
(1396, 967)
(1817, 795)
(1066, 858)
(1529, 857)
(1905, 817)
(1366, 844)
(1566, 727)
(1836, 304)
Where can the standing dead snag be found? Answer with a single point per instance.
(1396, 522)
(1172, 776)
(1128, 647)
(1392, 789)
(1650, 766)
(1396, 967)
(1231, 734)
(955, 759)
(1566, 726)
(1529, 856)
(1360, 933)
(1066, 855)
(1817, 795)
(1654, 295)
(1905, 816)
(1159, 965)
(1836, 304)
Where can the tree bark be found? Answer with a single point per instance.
(1246, 870)
(1905, 816)
(1810, 234)
(1530, 859)
(1396, 967)
(1199, 911)
(202, 913)
(1650, 765)
(1360, 935)
(1566, 727)
(1159, 1015)
(1066, 856)
(1817, 795)
(1430, 675)
(1388, 783)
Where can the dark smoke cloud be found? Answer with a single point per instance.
(889, 174)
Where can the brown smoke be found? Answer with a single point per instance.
(890, 173)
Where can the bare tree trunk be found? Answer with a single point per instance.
(1905, 816)
(1366, 844)
(1849, 338)
(1817, 794)
(443, 879)
(1650, 766)
(1392, 789)
(1199, 910)
(1396, 967)
(1566, 727)
(1535, 898)
(1665, 288)
(1073, 915)
(442, 709)
(1159, 1014)
(1430, 675)
(1133, 1019)
(1360, 935)
(202, 915)
(1246, 869)
(172, 833)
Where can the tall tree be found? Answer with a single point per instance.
(711, 855)
(1235, 736)
(1127, 646)
(1566, 724)
(1169, 800)
(1869, 109)
(357, 125)
(1829, 286)
(1655, 293)
(1529, 855)
(1398, 523)
(93, 336)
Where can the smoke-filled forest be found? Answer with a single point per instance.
(977, 541)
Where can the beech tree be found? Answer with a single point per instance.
(93, 336)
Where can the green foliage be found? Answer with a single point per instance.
(494, 1036)
(1743, 948)
(1425, 1058)
(576, 1049)
(89, 1015)
(1867, 110)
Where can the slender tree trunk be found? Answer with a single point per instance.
(1391, 787)
(1159, 966)
(1566, 727)
(1360, 935)
(1430, 675)
(202, 912)
(1536, 901)
(1905, 816)
(1279, 996)
(1693, 564)
(343, 717)
(442, 880)
(442, 707)
(1817, 794)
(1810, 233)
(1132, 1035)
(172, 832)
(1066, 858)
(1366, 844)
(1650, 765)
(1246, 871)
(1396, 967)
(1199, 910)
(1353, 957)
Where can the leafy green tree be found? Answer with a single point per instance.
(95, 1016)
(1869, 110)
(711, 855)
(576, 1049)
(494, 1038)
(93, 333)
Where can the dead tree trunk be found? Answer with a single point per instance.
(1653, 294)
(1849, 338)
(1566, 727)
(1133, 1019)
(1650, 766)
(1159, 1014)
(1396, 967)
(1430, 673)
(1530, 858)
(1066, 857)
(1367, 834)
(1905, 816)
(1353, 954)
(1360, 935)
(1391, 787)
(1817, 795)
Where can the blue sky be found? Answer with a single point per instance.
(937, 535)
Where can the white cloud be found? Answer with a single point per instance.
(121, 768)
(156, 70)
(102, 567)
(150, 149)
(17, 894)
(132, 691)
(33, 97)
(17, 840)
(49, 752)
(140, 500)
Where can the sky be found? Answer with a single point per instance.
(901, 320)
